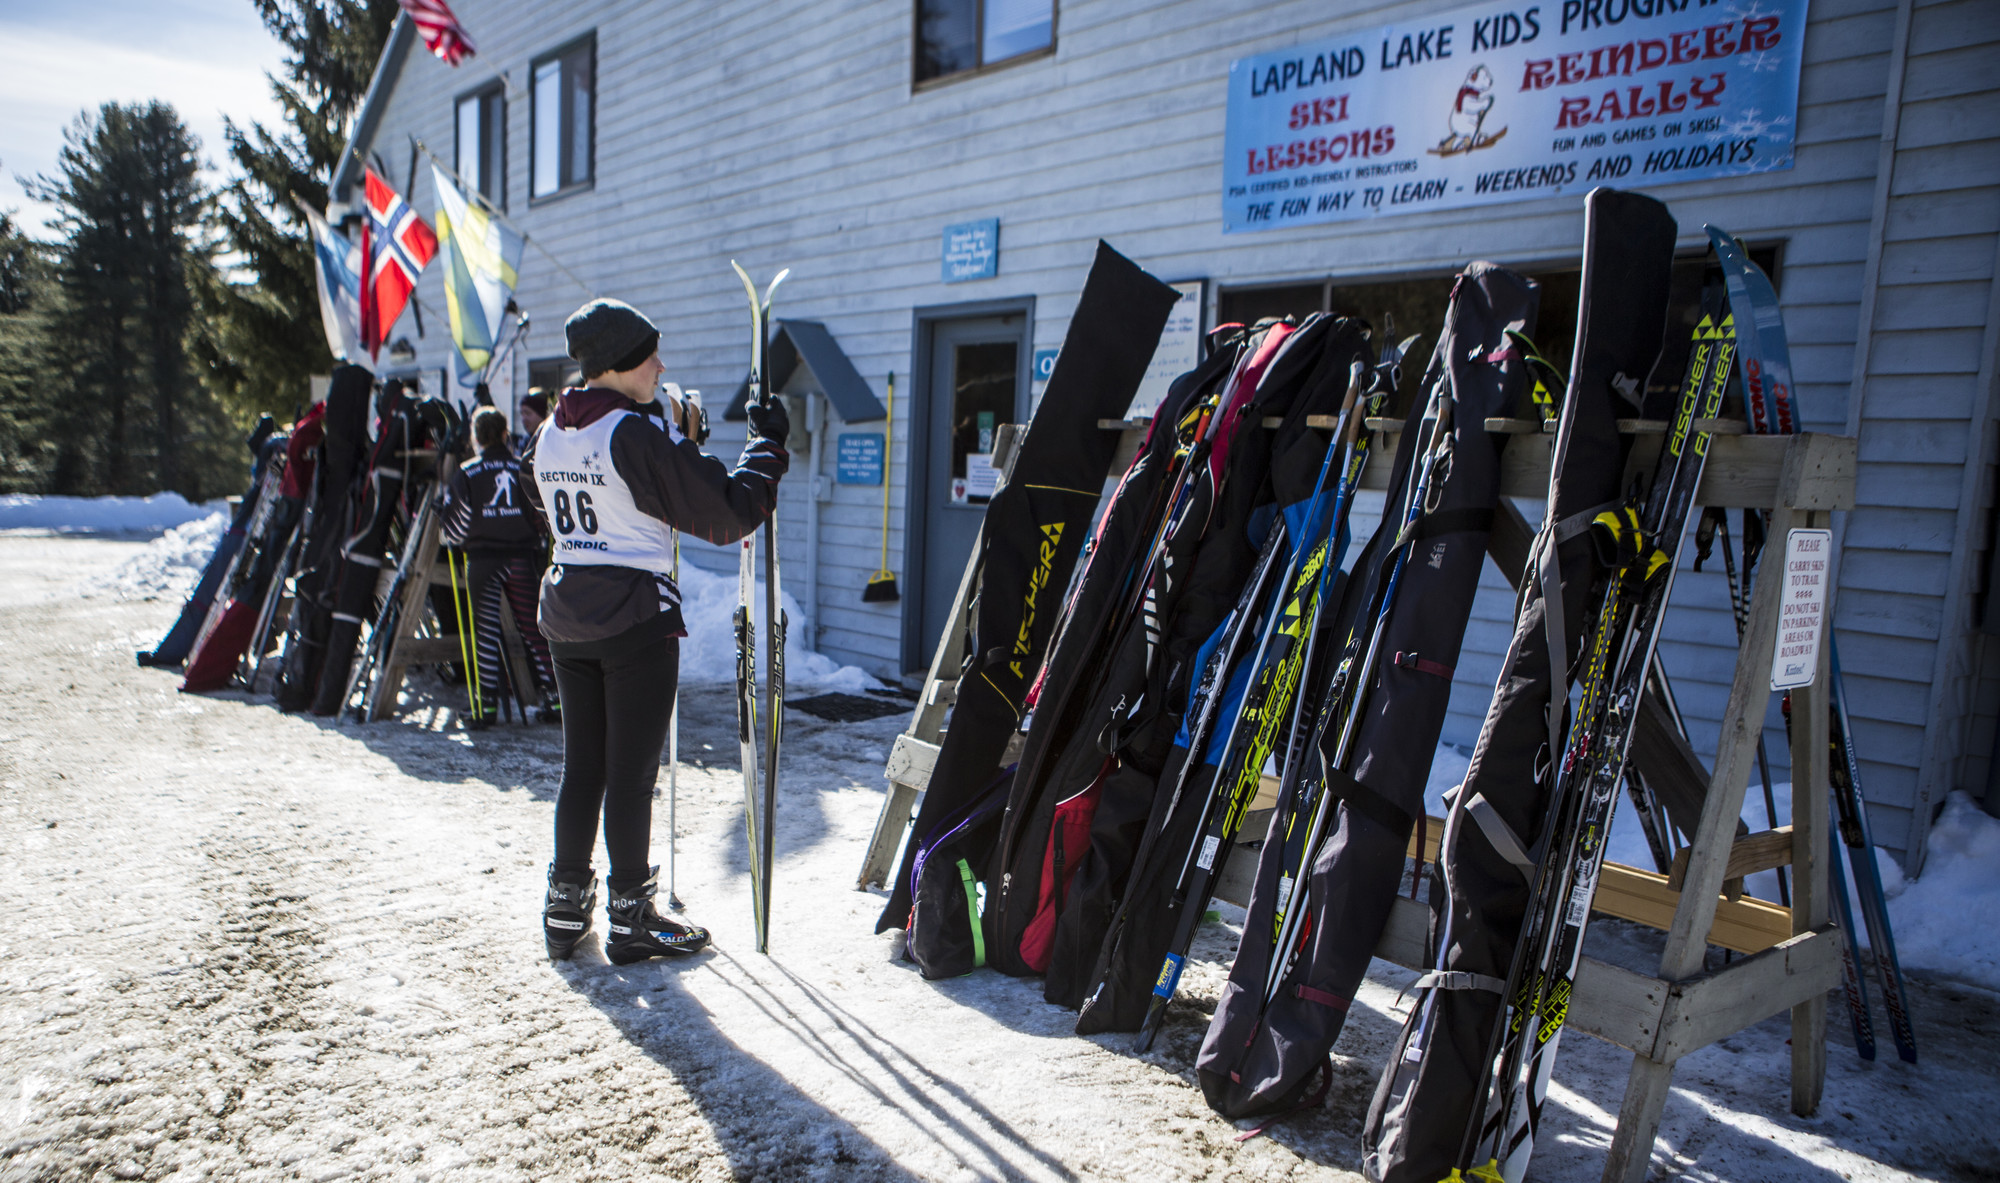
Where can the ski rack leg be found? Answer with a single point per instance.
(1811, 754)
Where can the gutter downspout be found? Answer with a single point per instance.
(815, 423)
(381, 85)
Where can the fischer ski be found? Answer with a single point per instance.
(759, 747)
(1639, 546)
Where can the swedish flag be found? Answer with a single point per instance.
(482, 259)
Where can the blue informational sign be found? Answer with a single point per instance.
(858, 458)
(1045, 363)
(972, 251)
(1510, 102)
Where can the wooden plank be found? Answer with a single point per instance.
(1758, 852)
(1744, 925)
(426, 651)
(1811, 780)
(1717, 1005)
(911, 761)
(1617, 1005)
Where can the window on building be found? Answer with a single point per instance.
(954, 36)
(565, 114)
(482, 143)
(553, 375)
(1417, 306)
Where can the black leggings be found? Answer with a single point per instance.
(615, 713)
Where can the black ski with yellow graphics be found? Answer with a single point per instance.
(1639, 544)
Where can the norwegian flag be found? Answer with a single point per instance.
(395, 247)
(442, 32)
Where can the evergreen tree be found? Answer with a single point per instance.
(24, 403)
(260, 335)
(129, 202)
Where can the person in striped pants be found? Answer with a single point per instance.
(487, 516)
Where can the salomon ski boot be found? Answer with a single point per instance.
(639, 932)
(566, 910)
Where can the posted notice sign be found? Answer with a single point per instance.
(1802, 608)
(1507, 102)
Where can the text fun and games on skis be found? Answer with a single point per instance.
(1223, 668)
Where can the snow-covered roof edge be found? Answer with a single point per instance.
(388, 69)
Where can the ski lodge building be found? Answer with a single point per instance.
(936, 176)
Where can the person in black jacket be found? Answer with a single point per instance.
(612, 473)
(486, 514)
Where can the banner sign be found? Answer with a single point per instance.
(1508, 102)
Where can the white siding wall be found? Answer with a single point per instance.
(787, 134)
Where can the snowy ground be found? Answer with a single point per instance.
(256, 946)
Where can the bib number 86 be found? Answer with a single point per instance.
(585, 516)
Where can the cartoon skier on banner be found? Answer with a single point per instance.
(1468, 116)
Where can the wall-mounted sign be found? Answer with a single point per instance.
(1045, 363)
(1178, 352)
(1802, 608)
(858, 458)
(972, 251)
(1507, 102)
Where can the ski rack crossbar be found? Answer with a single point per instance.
(1793, 954)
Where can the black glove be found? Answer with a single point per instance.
(769, 420)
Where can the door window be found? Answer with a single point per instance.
(982, 398)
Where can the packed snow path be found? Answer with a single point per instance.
(246, 945)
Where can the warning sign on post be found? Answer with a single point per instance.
(1802, 608)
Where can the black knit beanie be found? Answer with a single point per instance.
(606, 336)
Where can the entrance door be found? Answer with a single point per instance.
(977, 383)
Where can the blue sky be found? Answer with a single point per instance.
(206, 57)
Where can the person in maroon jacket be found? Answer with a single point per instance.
(611, 472)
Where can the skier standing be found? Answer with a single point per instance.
(611, 471)
(486, 515)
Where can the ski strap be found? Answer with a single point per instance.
(1458, 979)
(1323, 997)
(971, 882)
(1411, 661)
(1500, 835)
(1444, 521)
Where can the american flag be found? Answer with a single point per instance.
(396, 246)
(442, 32)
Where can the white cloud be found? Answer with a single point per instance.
(206, 65)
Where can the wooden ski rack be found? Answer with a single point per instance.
(1792, 956)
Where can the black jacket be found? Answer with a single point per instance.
(486, 509)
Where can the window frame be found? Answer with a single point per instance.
(984, 67)
(497, 89)
(588, 43)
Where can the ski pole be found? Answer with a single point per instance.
(674, 757)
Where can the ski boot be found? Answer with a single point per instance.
(480, 721)
(551, 711)
(566, 911)
(639, 932)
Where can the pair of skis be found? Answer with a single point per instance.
(760, 792)
(1265, 718)
(1640, 545)
(1767, 398)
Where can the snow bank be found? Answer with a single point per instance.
(708, 652)
(1943, 921)
(167, 568)
(101, 515)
